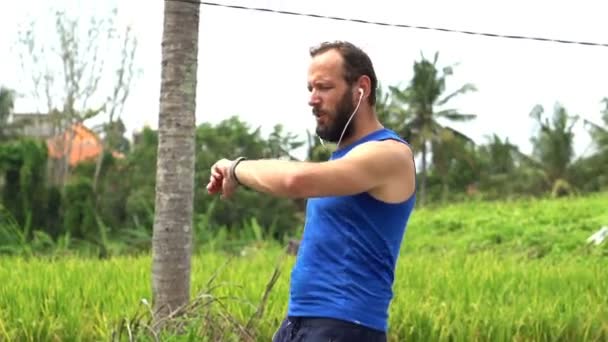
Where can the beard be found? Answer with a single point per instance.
(332, 130)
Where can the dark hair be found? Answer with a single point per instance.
(356, 63)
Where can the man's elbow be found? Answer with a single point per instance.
(298, 185)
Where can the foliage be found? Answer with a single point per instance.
(232, 138)
(22, 163)
(554, 144)
(124, 200)
(79, 209)
(590, 171)
(122, 207)
(117, 216)
(7, 103)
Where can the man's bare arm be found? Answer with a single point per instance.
(364, 168)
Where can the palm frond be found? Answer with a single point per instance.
(469, 87)
(402, 95)
(459, 134)
(454, 115)
(595, 127)
(537, 112)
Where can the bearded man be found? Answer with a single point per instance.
(358, 204)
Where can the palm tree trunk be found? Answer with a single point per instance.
(172, 236)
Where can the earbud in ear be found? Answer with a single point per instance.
(361, 91)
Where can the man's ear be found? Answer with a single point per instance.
(364, 83)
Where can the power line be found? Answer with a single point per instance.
(369, 22)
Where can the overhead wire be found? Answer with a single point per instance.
(370, 22)
(378, 23)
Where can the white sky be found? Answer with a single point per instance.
(253, 64)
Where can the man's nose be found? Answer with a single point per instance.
(314, 98)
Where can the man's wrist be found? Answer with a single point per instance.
(235, 163)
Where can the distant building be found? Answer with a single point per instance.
(81, 142)
(85, 145)
(35, 125)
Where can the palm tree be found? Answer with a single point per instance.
(499, 155)
(500, 163)
(424, 95)
(172, 232)
(598, 133)
(447, 147)
(588, 171)
(553, 146)
(390, 113)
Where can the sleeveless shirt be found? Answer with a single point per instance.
(346, 261)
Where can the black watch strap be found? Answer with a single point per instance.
(233, 168)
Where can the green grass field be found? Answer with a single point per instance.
(516, 271)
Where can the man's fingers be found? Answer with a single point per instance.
(214, 185)
(227, 189)
(218, 180)
(224, 187)
(215, 171)
(213, 191)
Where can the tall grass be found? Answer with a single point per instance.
(500, 271)
(438, 297)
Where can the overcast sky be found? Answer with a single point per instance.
(254, 64)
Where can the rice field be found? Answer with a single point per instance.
(517, 271)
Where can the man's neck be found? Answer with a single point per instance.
(363, 127)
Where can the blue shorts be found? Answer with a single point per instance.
(303, 329)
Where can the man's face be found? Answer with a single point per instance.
(331, 98)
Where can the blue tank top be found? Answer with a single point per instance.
(346, 260)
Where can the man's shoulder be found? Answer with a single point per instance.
(385, 147)
(387, 156)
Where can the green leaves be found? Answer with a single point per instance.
(554, 143)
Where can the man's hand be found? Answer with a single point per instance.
(220, 180)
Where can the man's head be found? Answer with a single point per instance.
(336, 74)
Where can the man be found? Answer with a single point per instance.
(359, 203)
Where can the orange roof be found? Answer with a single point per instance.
(85, 145)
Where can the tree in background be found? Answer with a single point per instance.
(69, 76)
(504, 171)
(599, 133)
(553, 146)
(424, 96)
(391, 113)
(591, 172)
(449, 147)
(172, 236)
(233, 137)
